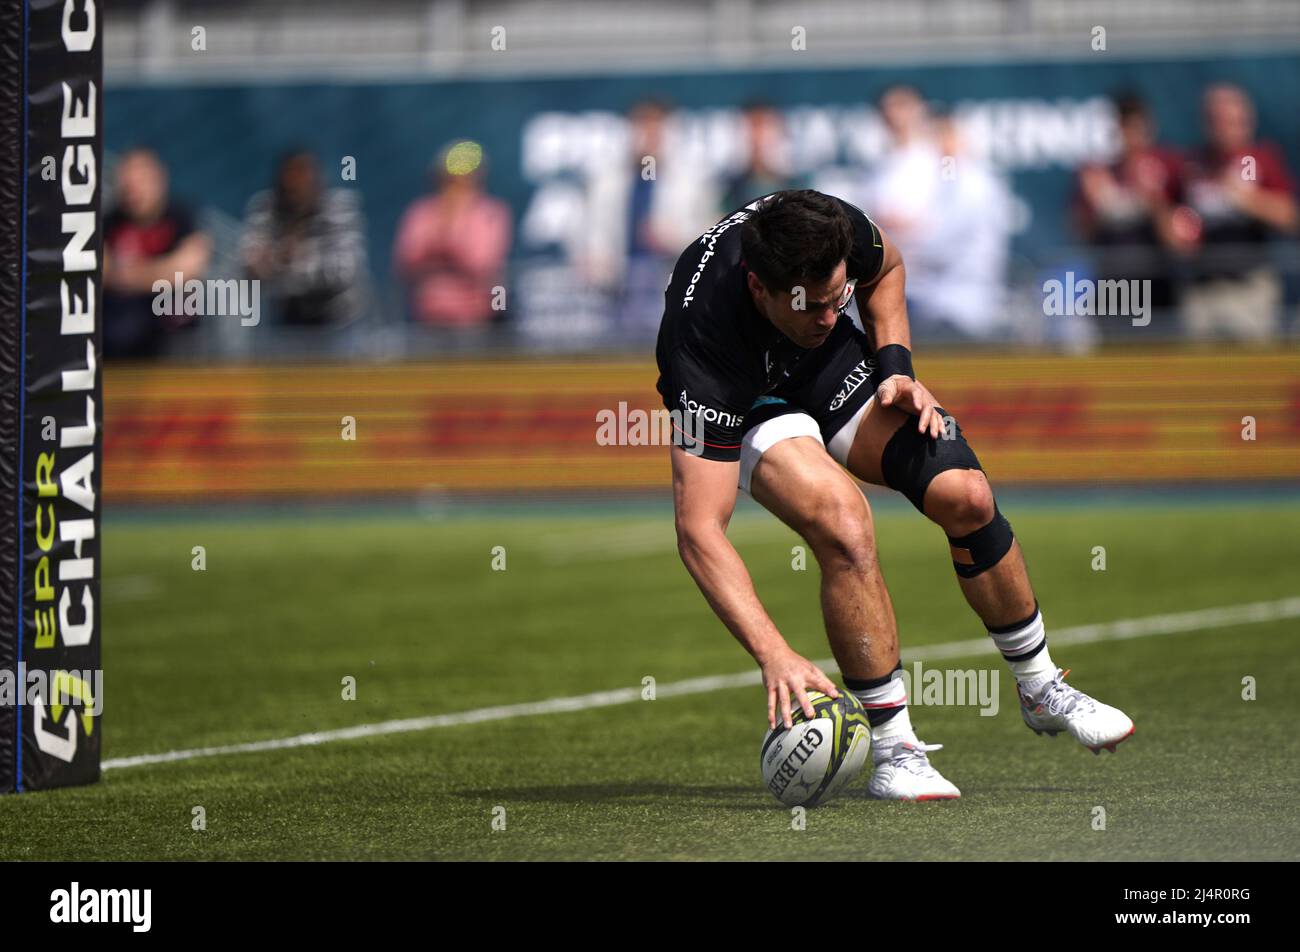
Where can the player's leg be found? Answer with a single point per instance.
(943, 479)
(786, 468)
(802, 486)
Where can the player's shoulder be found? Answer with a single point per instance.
(703, 272)
(868, 252)
(707, 308)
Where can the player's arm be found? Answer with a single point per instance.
(883, 307)
(704, 497)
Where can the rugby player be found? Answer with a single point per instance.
(777, 389)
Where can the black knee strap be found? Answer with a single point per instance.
(986, 546)
(912, 459)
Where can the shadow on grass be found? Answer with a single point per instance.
(655, 794)
(648, 793)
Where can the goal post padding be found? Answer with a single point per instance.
(51, 89)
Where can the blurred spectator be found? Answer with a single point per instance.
(900, 195)
(948, 213)
(766, 169)
(451, 246)
(957, 266)
(306, 244)
(147, 238)
(1122, 209)
(641, 213)
(1237, 195)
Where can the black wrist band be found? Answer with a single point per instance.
(894, 359)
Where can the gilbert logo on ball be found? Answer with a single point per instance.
(816, 759)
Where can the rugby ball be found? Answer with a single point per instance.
(815, 759)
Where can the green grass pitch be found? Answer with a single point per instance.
(257, 646)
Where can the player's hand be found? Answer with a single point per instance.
(786, 675)
(910, 396)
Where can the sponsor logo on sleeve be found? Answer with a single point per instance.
(710, 240)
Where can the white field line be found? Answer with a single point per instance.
(1170, 624)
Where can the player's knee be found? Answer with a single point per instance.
(933, 474)
(974, 553)
(960, 501)
(839, 531)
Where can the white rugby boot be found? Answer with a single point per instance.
(905, 773)
(1060, 707)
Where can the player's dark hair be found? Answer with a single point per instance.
(796, 238)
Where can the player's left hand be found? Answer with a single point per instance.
(911, 396)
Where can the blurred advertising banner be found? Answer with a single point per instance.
(186, 434)
(566, 155)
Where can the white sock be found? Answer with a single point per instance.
(1024, 647)
(891, 694)
(894, 731)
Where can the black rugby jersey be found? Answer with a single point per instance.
(716, 353)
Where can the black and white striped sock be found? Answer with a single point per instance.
(1024, 647)
(886, 702)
